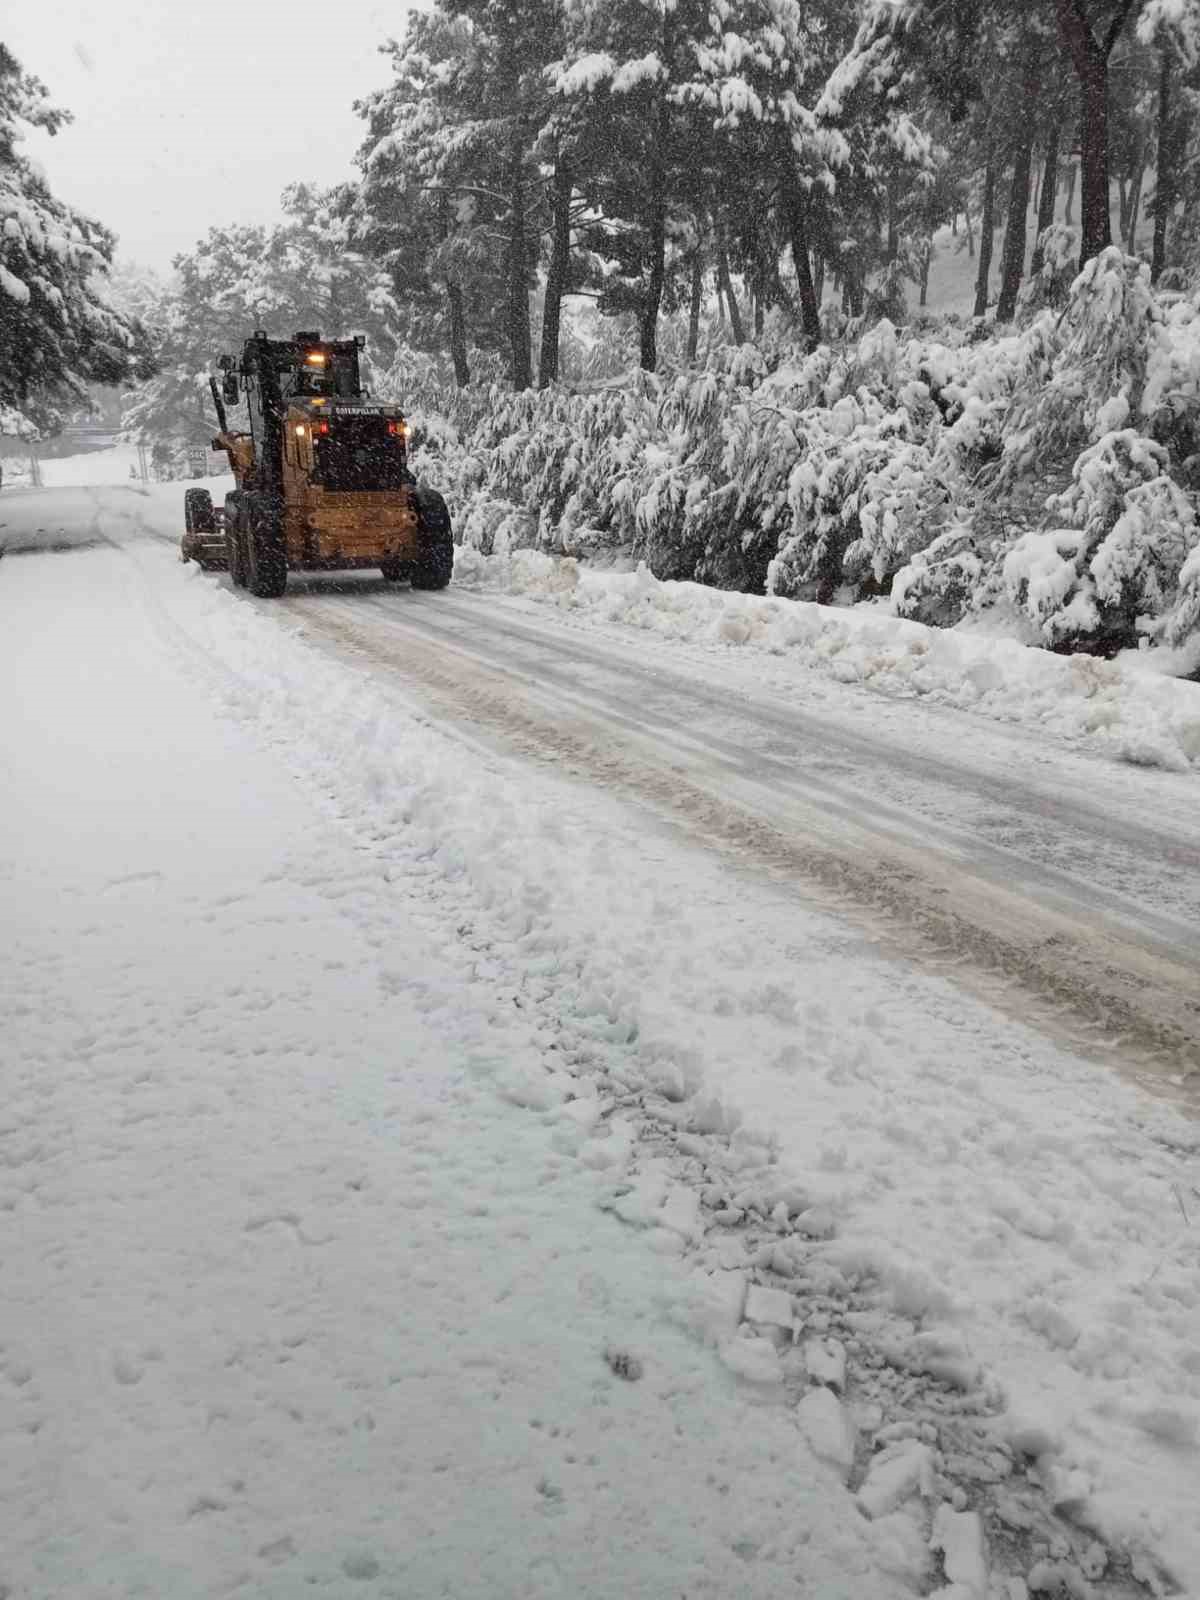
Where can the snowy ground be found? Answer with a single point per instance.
(429, 1173)
(117, 465)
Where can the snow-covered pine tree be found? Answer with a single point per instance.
(757, 76)
(299, 273)
(624, 71)
(421, 210)
(451, 178)
(1171, 29)
(959, 47)
(1090, 31)
(58, 330)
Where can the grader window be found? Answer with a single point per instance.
(313, 378)
(345, 374)
(358, 453)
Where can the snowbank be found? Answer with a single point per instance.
(1126, 705)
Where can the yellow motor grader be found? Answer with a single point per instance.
(323, 482)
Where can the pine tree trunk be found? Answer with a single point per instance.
(856, 289)
(970, 232)
(655, 277)
(518, 281)
(557, 272)
(987, 229)
(456, 319)
(1013, 256)
(1135, 207)
(1069, 207)
(1090, 57)
(458, 335)
(1094, 219)
(819, 278)
(779, 293)
(926, 262)
(697, 296)
(1049, 188)
(796, 205)
(1123, 198)
(725, 287)
(656, 244)
(1164, 177)
(766, 276)
(810, 311)
(892, 246)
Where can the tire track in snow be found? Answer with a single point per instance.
(891, 756)
(1116, 993)
(764, 742)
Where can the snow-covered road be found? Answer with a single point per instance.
(1037, 876)
(472, 1123)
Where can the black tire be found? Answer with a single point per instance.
(396, 571)
(235, 541)
(239, 566)
(198, 513)
(266, 558)
(434, 566)
(433, 514)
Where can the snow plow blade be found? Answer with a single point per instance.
(204, 532)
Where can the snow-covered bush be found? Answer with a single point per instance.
(15, 424)
(1050, 286)
(1181, 626)
(1170, 400)
(1138, 565)
(940, 584)
(1077, 366)
(863, 496)
(1104, 474)
(1118, 567)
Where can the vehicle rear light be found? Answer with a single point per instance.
(320, 428)
(398, 430)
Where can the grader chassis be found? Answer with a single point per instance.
(323, 482)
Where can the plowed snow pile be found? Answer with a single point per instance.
(1129, 706)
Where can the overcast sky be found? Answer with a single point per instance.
(189, 114)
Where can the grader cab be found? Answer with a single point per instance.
(323, 482)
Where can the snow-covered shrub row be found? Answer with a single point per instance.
(752, 471)
(1050, 469)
